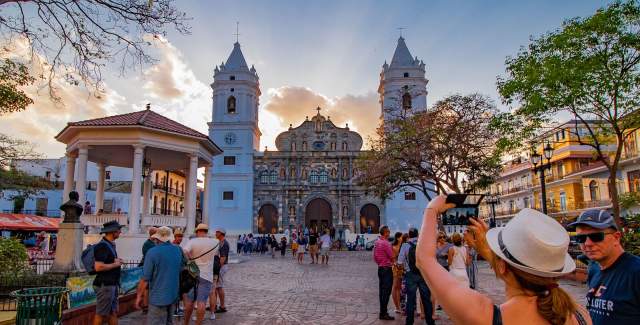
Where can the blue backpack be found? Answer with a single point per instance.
(89, 259)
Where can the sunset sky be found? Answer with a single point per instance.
(307, 54)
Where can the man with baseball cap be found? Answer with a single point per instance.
(161, 275)
(221, 260)
(614, 281)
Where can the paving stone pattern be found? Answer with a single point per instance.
(263, 290)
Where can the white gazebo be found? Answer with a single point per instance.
(144, 141)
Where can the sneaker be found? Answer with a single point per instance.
(212, 316)
(221, 310)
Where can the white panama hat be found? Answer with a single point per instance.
(163, 234)
(534, 243)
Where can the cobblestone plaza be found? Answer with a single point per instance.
(263, 290)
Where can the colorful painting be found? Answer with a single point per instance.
(129, 279)
(81, 290)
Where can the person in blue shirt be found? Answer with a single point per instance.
(614, 280)
(161, 276)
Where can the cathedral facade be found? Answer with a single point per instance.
(311, 179)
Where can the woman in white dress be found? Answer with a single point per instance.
(458, 259)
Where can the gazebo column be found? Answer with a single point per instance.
(68, 177)
(134, 199)
(207, 191)
(81, 181)
(146, 194)
(100, 188)
(190, 193)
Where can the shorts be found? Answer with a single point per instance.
(204, 289)
(313, 249)
(106, 300)
(160, 314)
(219, 283)
(324, 251)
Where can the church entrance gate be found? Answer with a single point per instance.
(318, 215)
(268, 219)
(369, 219)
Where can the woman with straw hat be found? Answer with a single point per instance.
(528, 255)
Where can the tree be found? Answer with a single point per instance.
(13, 256)
(78, 38)
(589, 69)
(13, 75)
(434, 149)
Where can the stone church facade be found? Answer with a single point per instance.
(311, 180)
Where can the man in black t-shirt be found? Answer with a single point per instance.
(222, 258)
(107, 281)
(313, 247)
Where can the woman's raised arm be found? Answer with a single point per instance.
(463, 305)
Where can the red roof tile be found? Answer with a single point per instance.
(147, 118)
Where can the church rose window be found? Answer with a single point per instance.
(231, 105)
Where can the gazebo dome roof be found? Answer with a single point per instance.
(147, 118)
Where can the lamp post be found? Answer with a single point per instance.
(537, 159)
(492, 199)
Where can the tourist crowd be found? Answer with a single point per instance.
(529, 255)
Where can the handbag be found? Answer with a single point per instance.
(190, 272)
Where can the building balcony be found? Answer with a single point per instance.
(171, 190)
(174, 213)
(508, 211)
(164, 220)
(42, 213)
(516, 189)
(594, 204)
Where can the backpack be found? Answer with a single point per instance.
(89, 259)
(191, 272)
(411, 257)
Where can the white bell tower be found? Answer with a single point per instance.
(234, 126)
(403, 85)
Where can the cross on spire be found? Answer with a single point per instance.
(400, 29)
(318, 109)
(237, 31)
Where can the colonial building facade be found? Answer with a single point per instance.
(311, 179)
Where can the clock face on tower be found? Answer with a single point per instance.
(230, 138)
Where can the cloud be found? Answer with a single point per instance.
(291, 105)
(42, 120)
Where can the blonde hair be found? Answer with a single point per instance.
(554, 304)
(456, 238)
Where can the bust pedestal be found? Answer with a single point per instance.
(68, 258)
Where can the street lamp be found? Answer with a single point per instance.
(540, 166)
(492, 199)
(146, 168)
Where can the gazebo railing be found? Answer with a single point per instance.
(163, 220)
(100, 219)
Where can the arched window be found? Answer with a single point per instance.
(345, 146)
(345, 211)
(264, 177)
(283, 173)
(292, 172)
(273, 177)
(305, 173)
(304, 145)
(333, 146)
(324, 177)
(406, 101)
(293, 146)
(314, 177)
(231, 105)
(345, 173)
(334, 173)
(292, 211)
(594, 191)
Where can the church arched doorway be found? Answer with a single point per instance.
(369, 219)
(318, 215)
(268, 219)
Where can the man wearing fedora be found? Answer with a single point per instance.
(614, 281)
(161, 275)
(107, 281)
(202, 250)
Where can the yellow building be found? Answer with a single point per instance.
(563, 180)
(168, 192)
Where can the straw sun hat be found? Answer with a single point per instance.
(534, 243)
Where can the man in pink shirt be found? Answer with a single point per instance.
(383, 255)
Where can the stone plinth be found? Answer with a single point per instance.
(69, 249)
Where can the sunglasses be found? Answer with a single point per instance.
(595, 237)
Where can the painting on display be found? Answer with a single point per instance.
(129, 279)
(81, 290)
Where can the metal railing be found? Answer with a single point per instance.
(42, 213)
(593, 204)
(100, 219)
(164, 220)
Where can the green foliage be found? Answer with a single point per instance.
(13, 76)
(628, 200)
(631, 238)
(13, 257)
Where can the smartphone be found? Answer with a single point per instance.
(467, 206)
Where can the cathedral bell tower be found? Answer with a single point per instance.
(403, 85)
(234, 125)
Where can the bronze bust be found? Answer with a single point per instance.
(72, 210)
